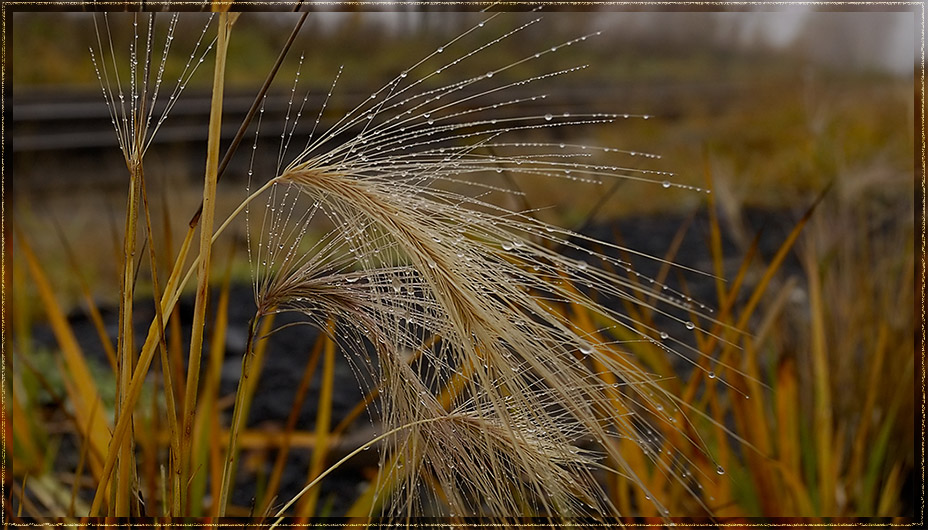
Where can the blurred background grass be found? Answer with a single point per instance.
(774, 106)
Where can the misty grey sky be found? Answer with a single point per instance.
(886, 41)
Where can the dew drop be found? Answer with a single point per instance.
(690, 325)
(548, 117)
(720, 470)
(665, 184)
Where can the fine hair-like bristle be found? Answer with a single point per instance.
(457, 304)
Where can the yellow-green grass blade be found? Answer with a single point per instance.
(822, 406)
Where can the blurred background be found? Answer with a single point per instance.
(767, 108)
(781, 102)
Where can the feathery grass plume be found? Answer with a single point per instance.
(136, 111)
(514, 409)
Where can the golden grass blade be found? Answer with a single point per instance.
(756, 295)
(256, 104)
(777, 260)
(751, 414)
(787, 413)
(206, 235)
(307, 506)
(879, 447)
(667, 261)
(86, 400)
(729, 301)
(169, 301)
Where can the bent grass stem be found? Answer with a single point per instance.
(349, 456)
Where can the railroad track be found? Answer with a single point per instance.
(82, 121)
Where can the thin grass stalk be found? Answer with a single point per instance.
(206, 233)
(124, 341)
(256, 104)
(172, 291)
(150, 447)
(225, 484)
(170, 404)
(252, 362)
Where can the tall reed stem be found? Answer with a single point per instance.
(206, 232)
(124, 341)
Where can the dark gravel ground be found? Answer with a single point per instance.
(289, 348)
